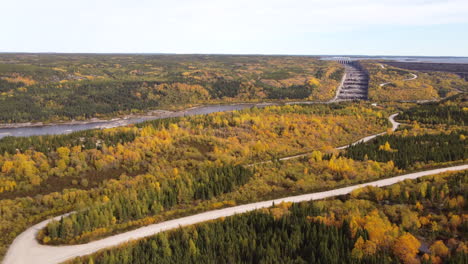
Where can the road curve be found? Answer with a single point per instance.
(25, 249)
(413, 77)
(26, 241)
(395, 126)
(391, 118)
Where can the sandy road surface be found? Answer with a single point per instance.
(395, 126)
(25, 249)
(414, 76)
(383, 84)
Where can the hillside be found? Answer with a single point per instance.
(52, 87)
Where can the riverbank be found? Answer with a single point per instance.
(84, 122)
(69, 127)
(158, 113)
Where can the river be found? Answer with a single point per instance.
(57, 129)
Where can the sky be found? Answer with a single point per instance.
(298, 27)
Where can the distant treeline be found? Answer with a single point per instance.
(87, 99)
(68, 87)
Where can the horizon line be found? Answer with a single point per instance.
(224, 54)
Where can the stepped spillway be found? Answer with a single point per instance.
(355, 84)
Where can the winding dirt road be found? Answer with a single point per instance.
(395, 126)
(413, 77)
(25, 249)
(391, 118)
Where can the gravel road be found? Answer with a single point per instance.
(25, 249)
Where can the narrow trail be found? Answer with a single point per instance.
(413, 77)
(391, 118)
(25, 249)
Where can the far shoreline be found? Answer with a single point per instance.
(157, 113)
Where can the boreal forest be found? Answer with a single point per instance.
(382, 180)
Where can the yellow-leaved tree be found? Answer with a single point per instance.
(406, 247)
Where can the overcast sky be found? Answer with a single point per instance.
(367, 27)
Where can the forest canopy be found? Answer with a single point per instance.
(52, 87)
(358, 228)
(109, 181)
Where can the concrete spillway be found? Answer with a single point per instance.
(355, 84)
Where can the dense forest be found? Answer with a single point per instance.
(432, 209)
(174, 167)
(49, 175)
(372, 225)
(30, 163)
(450, 111)
(130, 205)
(123, 178)
(407, 151)
(52, 87)
(362, 162)
(258, 237)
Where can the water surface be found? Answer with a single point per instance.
(58, 129)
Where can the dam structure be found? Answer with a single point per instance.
(355, 83)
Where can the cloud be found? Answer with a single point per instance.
(251, 14)
(207, 25)
(313, 15)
